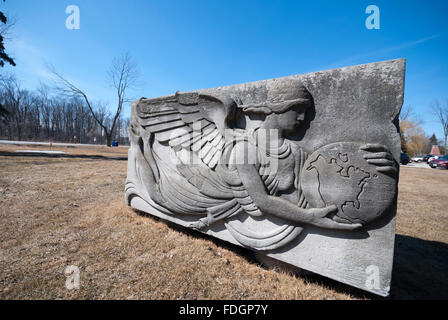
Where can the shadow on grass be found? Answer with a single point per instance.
(420, 268)
(58, 155)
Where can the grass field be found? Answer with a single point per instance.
(69, 210)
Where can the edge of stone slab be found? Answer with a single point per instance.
(398, 61)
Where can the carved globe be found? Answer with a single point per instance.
(337, 174)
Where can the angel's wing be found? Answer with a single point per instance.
(165, 133)
(190, 121)
(161, 131)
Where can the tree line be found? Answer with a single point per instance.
(48, 115)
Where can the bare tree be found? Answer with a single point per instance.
(45, 108)
(4, 81)
(41, 115)
(442, 115)
(122, 75)
(406, 112)
(15, 103)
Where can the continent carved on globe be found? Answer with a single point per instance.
(337, 174)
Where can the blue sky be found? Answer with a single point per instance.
(187, 45)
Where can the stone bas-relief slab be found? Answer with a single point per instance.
(302, 169)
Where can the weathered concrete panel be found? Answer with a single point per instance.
(302, 169)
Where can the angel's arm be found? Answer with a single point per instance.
(282, 208)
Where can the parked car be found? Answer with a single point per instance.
(433, 158)
(417, 159)
(440, 162)
(404, 158)
(426, 158)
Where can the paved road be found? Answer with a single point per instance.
(417, 165)
(48, 143)
(40, 151)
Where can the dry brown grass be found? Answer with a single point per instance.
(57, 212)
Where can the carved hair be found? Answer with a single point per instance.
(282, 96)
(267, 108)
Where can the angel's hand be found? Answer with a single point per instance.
(134, 135)
(136, 131)
(145, 134)
(320, 219)
(381, 158)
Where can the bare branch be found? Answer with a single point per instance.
(67, 88)
(406, 112)
(123, 75)
(6, 29)
(442, 115)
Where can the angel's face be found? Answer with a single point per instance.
(291, 119)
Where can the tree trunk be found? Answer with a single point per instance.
(445, 145)
(108, 140)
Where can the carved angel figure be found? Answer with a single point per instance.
(189, 159)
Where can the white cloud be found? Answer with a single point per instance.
(29, 59)
(361, 58)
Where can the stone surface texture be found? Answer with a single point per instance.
(301, 169)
